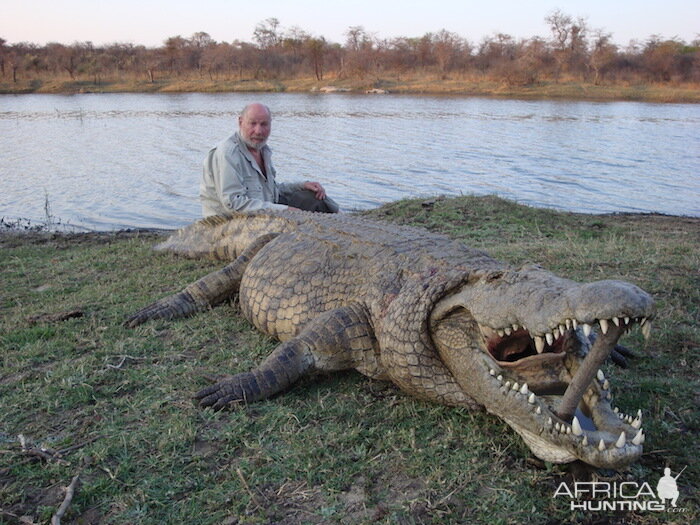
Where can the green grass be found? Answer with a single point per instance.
(336, 448)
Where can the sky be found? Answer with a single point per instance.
(151, 22)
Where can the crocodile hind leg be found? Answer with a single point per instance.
(336, 340)
(204, 293)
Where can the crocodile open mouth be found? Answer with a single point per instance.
(517, 345)
(540, 373)
(539, 367)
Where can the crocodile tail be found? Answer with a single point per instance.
(197, 239)
(223, 238)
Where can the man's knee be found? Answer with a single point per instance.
(306, 200)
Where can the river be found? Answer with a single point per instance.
(111, 161)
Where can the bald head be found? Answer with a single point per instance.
(255, 124)
(256, 107)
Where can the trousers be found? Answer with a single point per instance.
(306, 200)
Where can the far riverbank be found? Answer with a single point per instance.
(661, 93)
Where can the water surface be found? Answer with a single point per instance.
(108, 161)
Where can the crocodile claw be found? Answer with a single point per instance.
(221, 394)
(175, 306)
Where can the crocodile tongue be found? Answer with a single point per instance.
(600, 351)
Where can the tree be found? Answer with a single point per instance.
(3, 51)
(195, 47)
(569, 39)
(266, 33)
(660, 57)
(603, 56)
(447, 47)
(174, 53)
(360, 50)
(317, 49)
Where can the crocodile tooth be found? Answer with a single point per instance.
(549, 421)
(539, 344)
(500, 333)
(500, 378)
(531, 399)
(492, 372)
(549, 337)
(576, 427)
(604, 326)
(508, 330)
(646, 330)
(516, 386)
(621, 416)
(538, 410)
(639, 438)
(600, 375)
(627, 320)
(639, 414)
(601, 445)
(568, 430)
(585, 441)
(574, 323)
(515, 327)
(556, 427)
(606, 385)
(562, 330)
(507, 385)
(586, 329)
(616, 410)
(637, 423)
(621, 440)
(568, 324)
(523, 389)
(616, 320)
(642, 321)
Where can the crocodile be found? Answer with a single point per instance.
(442, 321)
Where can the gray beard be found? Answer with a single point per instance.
(253, 145)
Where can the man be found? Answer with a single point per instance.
(667, 488)
(238, 174)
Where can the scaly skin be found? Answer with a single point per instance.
(442, 321)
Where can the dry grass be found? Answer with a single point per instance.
(463, 85)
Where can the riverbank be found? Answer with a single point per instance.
(112, 405)
(666, 93)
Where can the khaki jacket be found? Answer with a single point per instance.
(232, 181)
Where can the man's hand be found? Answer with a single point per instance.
(318, 190)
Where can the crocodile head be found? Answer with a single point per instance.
(517, 342)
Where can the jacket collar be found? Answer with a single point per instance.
(265, 151)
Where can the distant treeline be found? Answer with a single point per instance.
(573, 51)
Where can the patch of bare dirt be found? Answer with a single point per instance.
(11, 238)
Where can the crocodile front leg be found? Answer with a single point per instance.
(205, 293)
(336, 340)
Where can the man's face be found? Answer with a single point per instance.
(255, 127)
